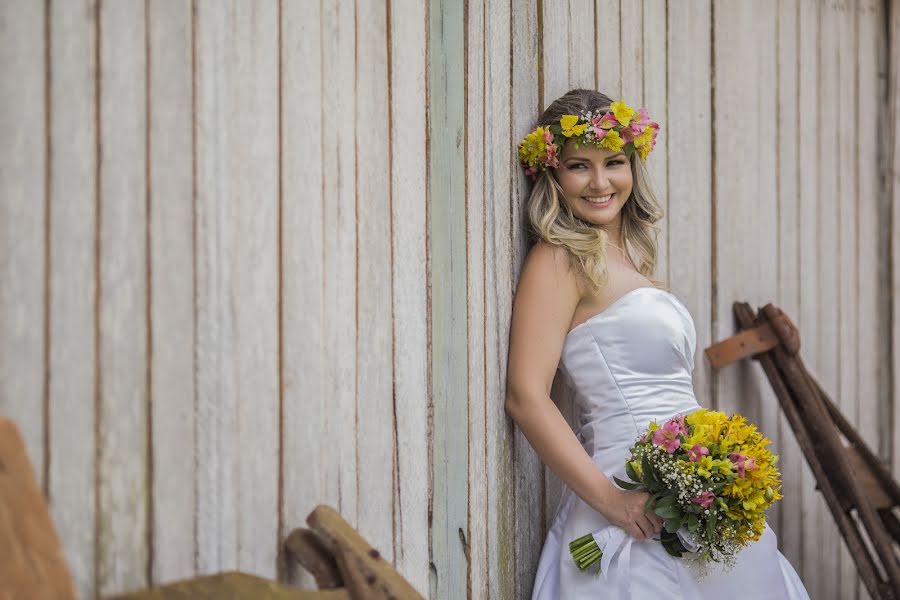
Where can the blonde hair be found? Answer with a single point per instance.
(552, 220)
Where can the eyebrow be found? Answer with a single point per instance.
(617, 155)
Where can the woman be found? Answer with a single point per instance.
(587, 303)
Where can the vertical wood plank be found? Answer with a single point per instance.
(479, 412)
(689, 141)
(407, 36)
(608, 61)
(844, 15)
(447, 227)
(582, 45)
(22, 212)
(307, 461)
(631, 52)
(237, 153)
(787, 525)
(124, 356)
(829, 370)
(807, 318)
(340, 267)
(893, 195)
(655, 82)
(374, 349)
(171, 289)
(554, 52)
(529, 480)
(498, 291)
(72, 286)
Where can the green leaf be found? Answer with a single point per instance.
(626, 485)
(693, 523)
(711, 525)
(666, 500)
(668, 512)
(673, 525)
(632, 474)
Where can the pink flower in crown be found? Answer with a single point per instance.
(531, 172)
(628, 134)
(548, 137)
(599, 132)
(666, 438)
(607, 121)
(696, 452)
(742, 462)
(642, 117)
(552, 158)
(704, 499)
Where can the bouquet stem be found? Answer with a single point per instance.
(585, 551)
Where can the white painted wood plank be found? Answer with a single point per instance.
(374, 350)
(123, 418)
(237, 155)
(498, 291)
(253, 168)
(340, 248)
(893, 172)
(306, 405)
(410, 291)
(216, 377)
(555, 52)
(22, 213)
(689, 141)
(476, 138)
(787, 523)
(582, 47)
(655, 96)
(829, 238)
(609, 47)
(807, 319)
(171, 289)
(529, 480)
(72, 287)
(846, 394)
(631, 57)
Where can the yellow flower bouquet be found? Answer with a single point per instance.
(710, 477)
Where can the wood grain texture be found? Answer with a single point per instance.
(893, 182)
(237, 155)
(447, 274)
(689, 148)
(608, 43)
(498, 292)
(23, 156)
(306, 406)
(476, 260)
(807, 318)
(339, 256)
(528, 503)
(554, 51)
(787, 522)
(408, 108)
(171, 217)
(374, 345)
(72, 286)
(123, 351)
(632, 62)
(655, 75)
(582, 47)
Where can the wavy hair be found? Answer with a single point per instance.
(552, 220)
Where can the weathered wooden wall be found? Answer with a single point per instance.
(259, 255)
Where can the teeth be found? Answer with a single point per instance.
(598, 200)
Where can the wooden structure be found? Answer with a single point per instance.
(260, 255)
(856, 484)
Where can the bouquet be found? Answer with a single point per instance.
(710, 477)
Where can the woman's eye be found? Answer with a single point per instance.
(617, 162)
(577, 166)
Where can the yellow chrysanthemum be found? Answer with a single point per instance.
(570, 126)
(612, 141)
(623, 112)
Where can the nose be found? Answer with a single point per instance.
(600, 179)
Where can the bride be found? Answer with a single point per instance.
(587, 304)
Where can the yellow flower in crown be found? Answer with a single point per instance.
(622, 112)
(612, 141)
(571, 127)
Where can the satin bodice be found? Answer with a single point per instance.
(629, 365)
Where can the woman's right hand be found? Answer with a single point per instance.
(626, 509)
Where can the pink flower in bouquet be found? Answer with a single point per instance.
(704, 499)
(678, 425)
(696, 452)
(667, 438)
(742, 462)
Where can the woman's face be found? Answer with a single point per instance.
(595, 182)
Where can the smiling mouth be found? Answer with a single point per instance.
(599, 200)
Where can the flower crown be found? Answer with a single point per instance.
(622, 129)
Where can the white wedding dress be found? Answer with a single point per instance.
(629, 365)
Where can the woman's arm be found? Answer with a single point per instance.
(545, 301)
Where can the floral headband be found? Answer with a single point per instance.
(622, 129)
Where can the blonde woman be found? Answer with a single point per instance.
(587, 304)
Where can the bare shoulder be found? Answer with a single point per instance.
(549, 265)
